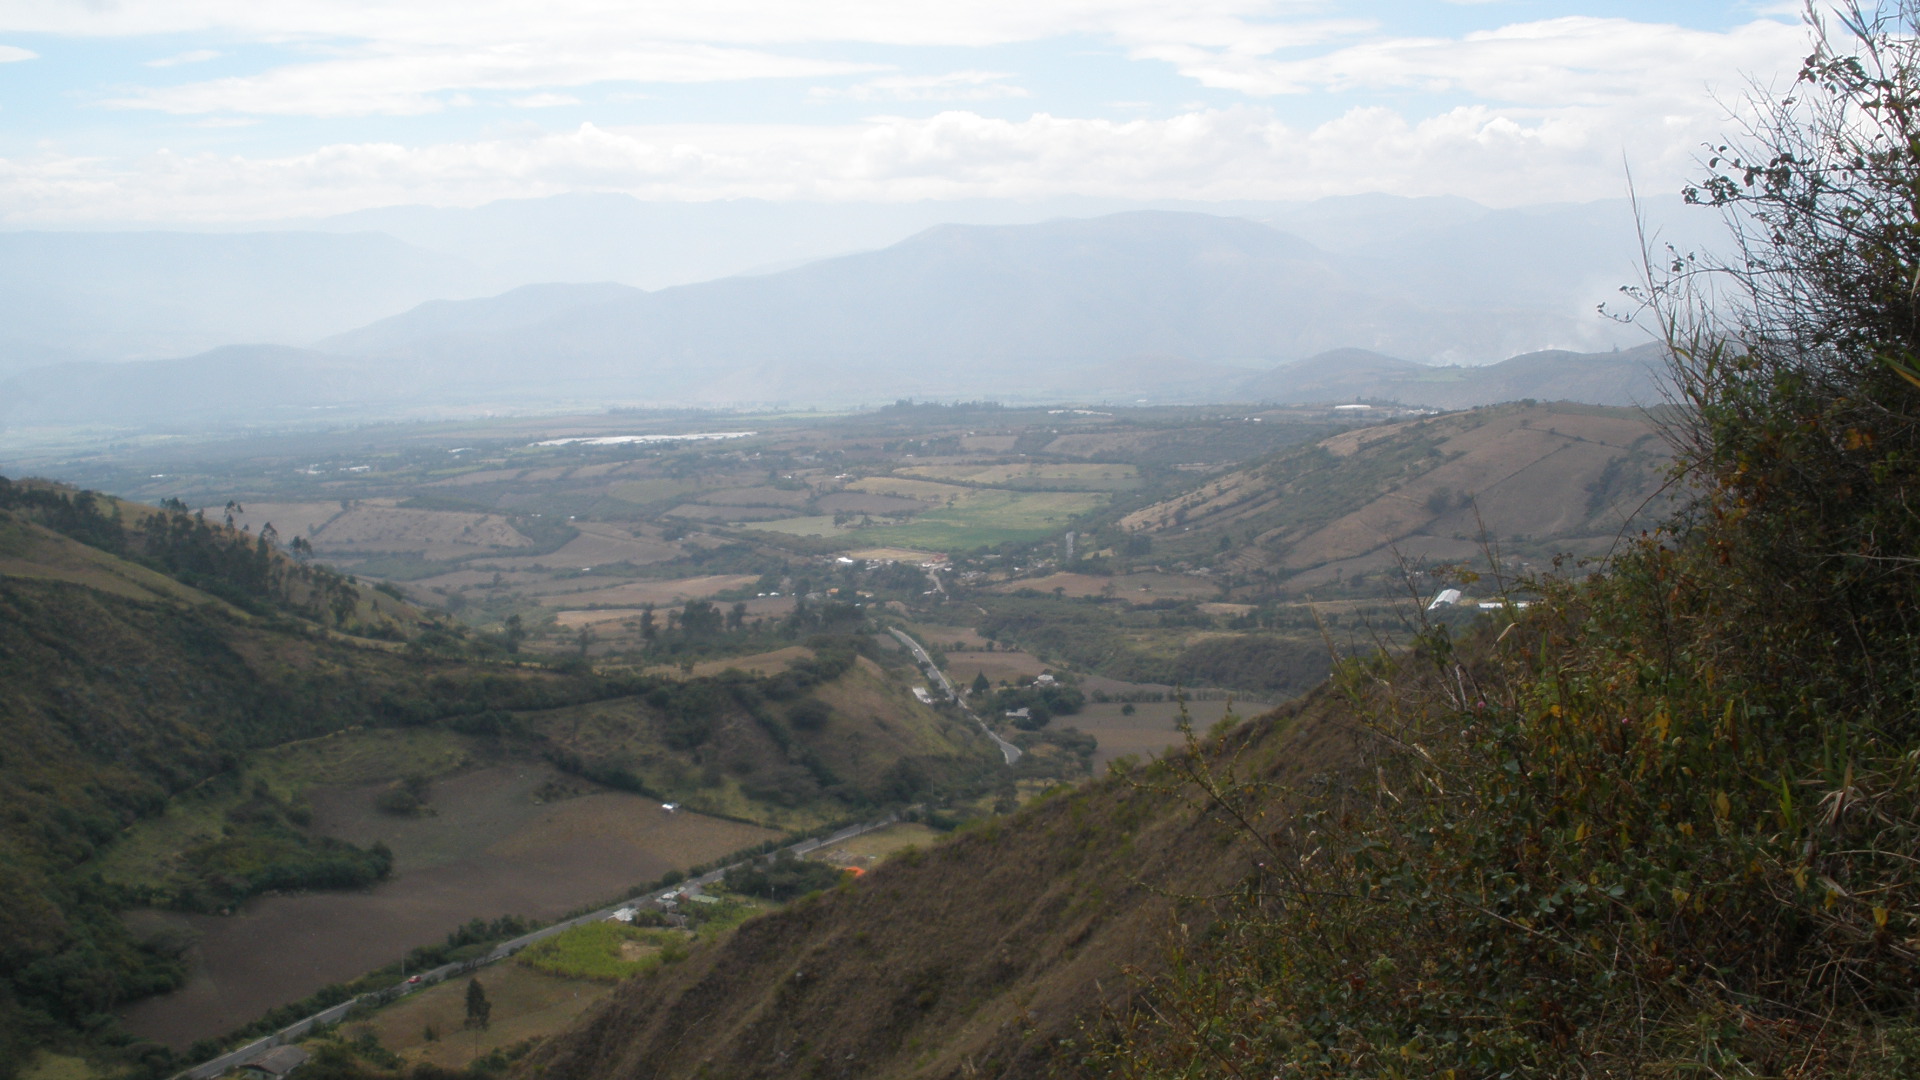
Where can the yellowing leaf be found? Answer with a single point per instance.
(1880, 917)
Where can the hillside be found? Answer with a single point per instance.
(1535, 479)
(152, 657)
(127, 685)
(976, 958)
(1632, 377)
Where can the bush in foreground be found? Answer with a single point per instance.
(1669, 822)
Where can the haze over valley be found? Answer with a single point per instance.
(1154, 305)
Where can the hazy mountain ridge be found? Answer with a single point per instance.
(156, 292)
(147, 295)
(1150, 282)
(525, 306)
(1157, 305)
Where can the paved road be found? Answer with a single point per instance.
(1007, 749)
(337, 1013)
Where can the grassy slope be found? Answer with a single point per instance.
(1540, 473)
(979, 954)
(124, 688)
(755, 764)
(30, 552)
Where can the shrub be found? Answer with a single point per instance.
(1667, 824)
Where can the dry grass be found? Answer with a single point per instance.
(867, 849)
(821, 525)
(597, 544)
(1075, 585)
(934, 634)
(978, 955)
(378, 525)
(1148, 587)
(998, 666)
(1003, 474)
(1149, 731)
(924, 490)
(526, 1004)
(896, 554)
(756, 496)
(29, 551)
(766, 663)
(659, 593)
(989, 444)
(1518, 472)
(291, 519)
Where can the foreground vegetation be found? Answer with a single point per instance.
(1669, 823)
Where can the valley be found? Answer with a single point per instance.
(716, 593)
(1085, 541)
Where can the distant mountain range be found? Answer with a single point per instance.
(154, 295)
(1161, 305)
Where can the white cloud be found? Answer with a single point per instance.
(1501, 157)
(195, 56)
(10, 54)
(1573, 60)
(408, 83)
(394, 57)
(1519, 113)
(740, 22)
(953, 86)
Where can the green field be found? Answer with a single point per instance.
(974, 516)
(603, 951)
(148, 852)
(989, 517)
(1057, 476)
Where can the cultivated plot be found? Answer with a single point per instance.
(492, 849)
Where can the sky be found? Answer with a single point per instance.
(183, 112)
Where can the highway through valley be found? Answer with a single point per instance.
(1007, 749)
